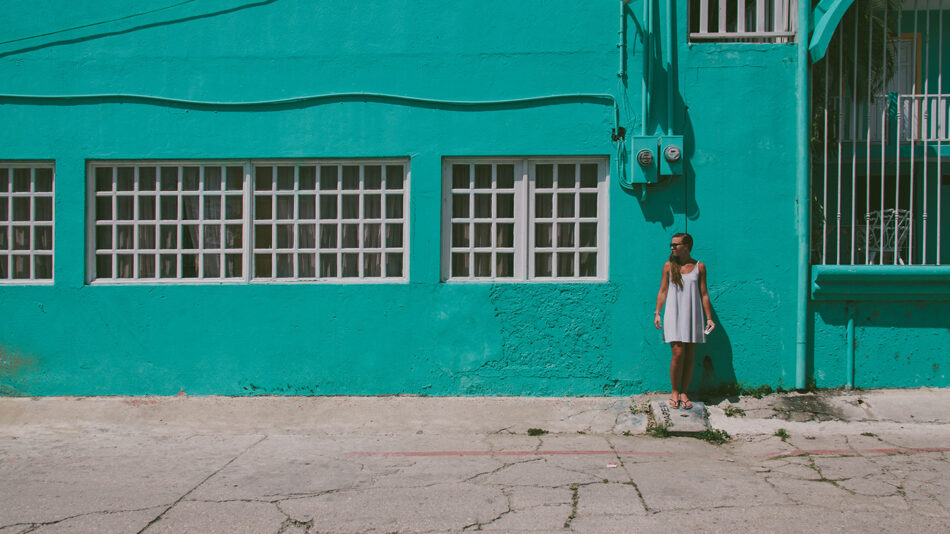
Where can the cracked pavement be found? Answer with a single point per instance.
(402, 464)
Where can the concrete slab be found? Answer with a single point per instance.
(678, 420)
(280, 466)
(438, 507)
(219, 518)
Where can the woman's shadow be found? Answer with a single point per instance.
(714, 377)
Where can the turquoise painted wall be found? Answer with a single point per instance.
(734, 103)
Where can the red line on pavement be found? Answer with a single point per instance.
(854, 452)
(505, 453)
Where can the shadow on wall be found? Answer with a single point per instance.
(713, 369)
(673, 194)
(887, 314)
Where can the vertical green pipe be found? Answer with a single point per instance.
(850, 351)
(803, 196)
(647, 60)
(669, 67)
(622, 45)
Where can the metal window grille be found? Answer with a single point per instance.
(880, 138)
(525, 220)
(252, 221)
(747, 21)
(26, 222)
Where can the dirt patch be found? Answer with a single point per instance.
(801, 408)
(12, 366)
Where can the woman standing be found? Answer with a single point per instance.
(682, 321)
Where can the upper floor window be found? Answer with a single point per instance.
(524, 219)
(26, 222)
(746, 21)
(249, 221)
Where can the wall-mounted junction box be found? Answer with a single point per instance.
(655, 156)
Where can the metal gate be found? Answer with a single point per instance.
(880, 137)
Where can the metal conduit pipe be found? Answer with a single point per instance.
(803, 197)
(647, 35)
(622, 45)
(669, 67)
(850, 349)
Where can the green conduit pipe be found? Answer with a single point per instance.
(622, 45)
(320, 98)
(669, 67)
(328, 97)
(648, 64)
(803, 198)
(850, 349)
(827, 15)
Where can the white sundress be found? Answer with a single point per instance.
(683, 316)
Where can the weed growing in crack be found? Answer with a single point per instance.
(537, 431)
(733, 411)
(740, 388)
(574, 498)
(869, 434)
(782, 433)
(659, 431)
(641, 407)
(758, 391)
(714, 436)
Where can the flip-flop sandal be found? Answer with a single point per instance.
(686, 405)
(673, 403)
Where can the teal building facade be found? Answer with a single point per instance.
(289, 197)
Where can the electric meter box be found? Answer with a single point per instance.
(644, 159)
(671, 155)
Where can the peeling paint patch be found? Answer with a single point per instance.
(13, 365)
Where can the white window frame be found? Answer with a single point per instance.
(8, 196)
(247, 221)
(525, 218)
(360, 250)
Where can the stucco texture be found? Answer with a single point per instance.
(733, 103)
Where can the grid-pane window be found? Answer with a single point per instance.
(329, 221)
(169, 222)
(26, 222)
(565, 225)
(482, 240)
(525, 219)
(251, 221)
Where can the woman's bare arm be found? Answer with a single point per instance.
(704, 293)
(661, 295)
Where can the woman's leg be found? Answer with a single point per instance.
(689, 351)
(676, 368)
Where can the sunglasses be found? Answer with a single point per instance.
(674, 245)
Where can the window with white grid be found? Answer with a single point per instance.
(525, 219)
(250, 221)
(169, 222)
(26, 222)
(330, 221)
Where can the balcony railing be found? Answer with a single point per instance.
(757, 21)
(921, 118)
(924, 117)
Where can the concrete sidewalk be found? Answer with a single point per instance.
(870, 460)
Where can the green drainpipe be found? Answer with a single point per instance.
(803, 195)
(850, 349)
